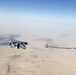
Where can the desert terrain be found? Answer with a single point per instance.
(38, 60)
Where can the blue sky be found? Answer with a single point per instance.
(50, 10)
(55, 11)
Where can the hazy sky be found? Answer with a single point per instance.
(38, 14)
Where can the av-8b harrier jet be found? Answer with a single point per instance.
(9, 41)
(18, 44)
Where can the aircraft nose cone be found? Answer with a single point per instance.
(26, 43)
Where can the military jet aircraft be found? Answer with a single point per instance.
(13, 43)
(18, 44)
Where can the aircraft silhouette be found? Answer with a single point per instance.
(14, 43)
(18, 44)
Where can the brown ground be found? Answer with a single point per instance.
(37, 60)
